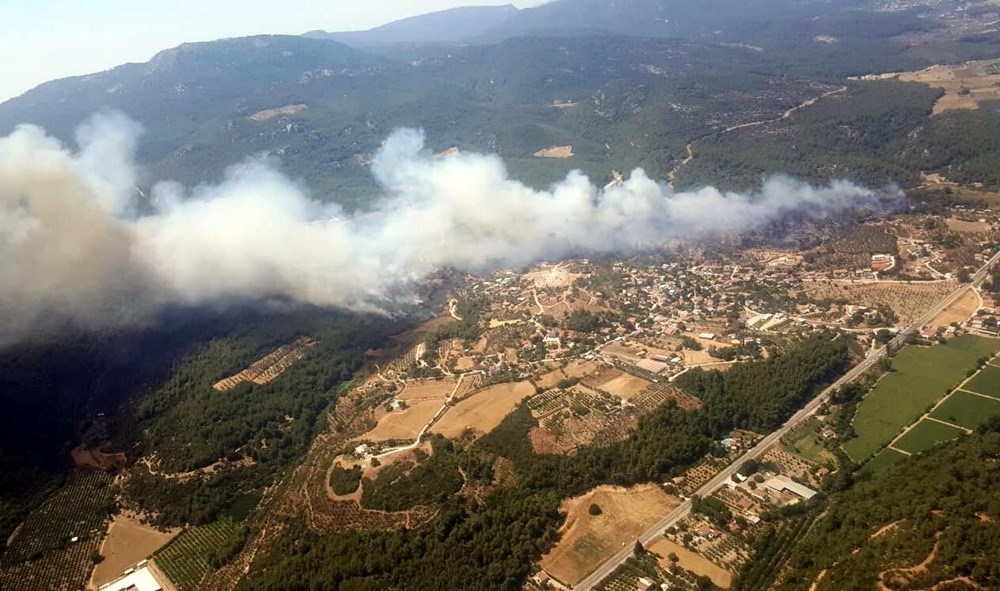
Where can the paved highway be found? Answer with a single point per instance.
(807, 411)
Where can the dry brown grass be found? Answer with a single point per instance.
(693, 562)
(561, 152)
(484, 410)
(272, 113)
(587, 541)
(621, 384)
(575, 369)
(400, 425)
(128, 542)
(417, 390)
(961, 310)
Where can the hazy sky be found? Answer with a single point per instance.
(41, 40)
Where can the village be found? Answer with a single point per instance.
(588, 347)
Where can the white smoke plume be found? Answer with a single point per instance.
(74, 252)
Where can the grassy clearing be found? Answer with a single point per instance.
(926, 435)
(921, 376)
(885, 459)
(987, 382)
(808, 443)
(185, 560)
(967, 410)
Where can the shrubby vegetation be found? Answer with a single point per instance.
(948, 496)
(344, 481)
(500, 536)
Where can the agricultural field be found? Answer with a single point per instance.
(128, 541)
(618, 383)
(484, 410)
(185, 560)
(966, 410)
(987, 382)
(909, 300)
(43, 554)
(693, 562)
(423, 400)
(588, 540)
(957, 225)
(920, 376)
(575, 369)
(966, 86)
(925, 435)
(960, 310)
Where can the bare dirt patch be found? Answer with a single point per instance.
(404, 424)
(427, 390)
(556, 276)
(128, 541)
(423, 399)
(575, 369)
(961, 310)
(272, 113)
(624, 385)
(560, 152)
(693, 562)
(587, 540)
(97, 459)
(484, 410)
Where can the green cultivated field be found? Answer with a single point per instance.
(185, 559)
(886, 458)
(967, 410)
(926, 435)
(922, 375)
(987, 382)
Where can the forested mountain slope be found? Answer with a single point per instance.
(928, 522)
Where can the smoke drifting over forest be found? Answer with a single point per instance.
(74, 250)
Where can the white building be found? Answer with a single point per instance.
(782, 483)
(140, 578)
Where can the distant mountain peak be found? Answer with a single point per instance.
(455, 25)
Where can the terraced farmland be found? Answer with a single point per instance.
(185, 559)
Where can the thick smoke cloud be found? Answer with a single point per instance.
(73, 251)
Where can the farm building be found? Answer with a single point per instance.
(781, 483)
(139, 579)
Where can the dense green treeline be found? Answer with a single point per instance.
(944, 501)
(855, 135)
(963, 145)
(248, 435)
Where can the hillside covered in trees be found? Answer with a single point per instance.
(928, 522)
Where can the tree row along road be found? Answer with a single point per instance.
(805, 412)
